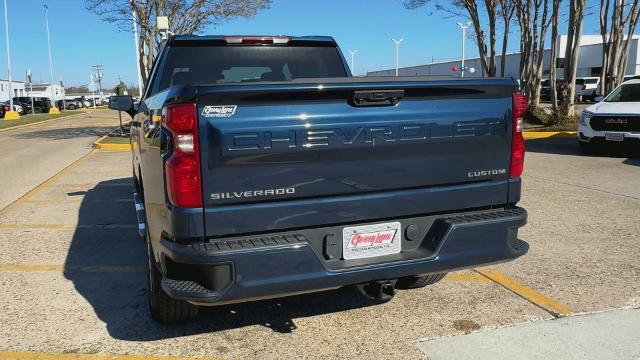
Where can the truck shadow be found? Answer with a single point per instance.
(106, 263)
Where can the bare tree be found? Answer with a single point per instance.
(475, 13)
(572, 49)
(533, 18)
(185, 17)
(506, 10)
(554, 53)
(615, 49)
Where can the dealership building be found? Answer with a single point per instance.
(17, 87)
(589, 61)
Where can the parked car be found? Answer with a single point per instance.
(16, 107)
(73, 104)
(307, 178)
(83, 102)
(545, 89)
(587, 88)
(26, 107)
(615, 119)
(40, 104)
(2, 111)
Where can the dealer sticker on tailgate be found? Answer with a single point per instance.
(371, 240)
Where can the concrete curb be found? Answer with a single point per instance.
(548, 134)
(65, 117)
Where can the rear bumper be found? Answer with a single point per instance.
(244, 269)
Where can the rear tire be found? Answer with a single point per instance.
(165, 309)
(414, 282)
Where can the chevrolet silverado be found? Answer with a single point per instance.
(262, 169)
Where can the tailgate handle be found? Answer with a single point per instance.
(377, 97)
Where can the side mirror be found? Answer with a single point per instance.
(598, 98)
(122, 103)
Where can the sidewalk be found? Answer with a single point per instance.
(606, 335)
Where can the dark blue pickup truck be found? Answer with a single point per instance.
(264, 169)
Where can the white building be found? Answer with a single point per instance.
(17, 87)
(44, 90)
(589, 61)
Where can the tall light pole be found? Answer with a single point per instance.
(353, 62)
(135, 42)
(464, 35)
(53, 109)
(11, 114)
(397, 53)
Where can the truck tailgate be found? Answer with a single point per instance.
(282, 145)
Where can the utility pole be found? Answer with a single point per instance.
(135, 42)
(11, 114)
(353, 64)
(464, 35)
(53, 109)
(397, 42)
(98, 71)
(30, 94)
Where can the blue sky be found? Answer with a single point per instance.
(80, 39)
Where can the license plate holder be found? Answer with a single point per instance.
(373, 240)
(614, 136)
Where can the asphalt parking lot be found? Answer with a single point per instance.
(73, 281)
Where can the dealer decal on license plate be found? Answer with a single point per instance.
(371, 240)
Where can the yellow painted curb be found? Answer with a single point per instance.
(542, 301)
(548, 134)
(112, 147)
(54, 110)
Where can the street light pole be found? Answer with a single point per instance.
(135, 41)
(353, 63)
(464, 35)
(30, 80)
(11, 114)
(397, 42)
(53, 109)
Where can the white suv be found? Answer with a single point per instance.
(586, 88)
(615, 119)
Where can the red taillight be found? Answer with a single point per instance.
(257, 40)
(517, 141)
(182, 169)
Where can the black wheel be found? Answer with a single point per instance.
(165, 309)
(587, 148)
(414, 282)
